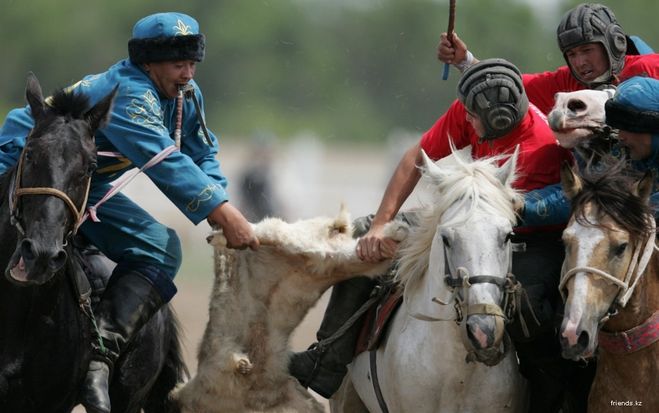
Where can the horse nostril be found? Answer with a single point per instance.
(27, 250)
(58, 260)
(576, 105)
(584, 337)
(479, 334)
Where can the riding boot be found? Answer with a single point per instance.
(322, 368)
(129, 301)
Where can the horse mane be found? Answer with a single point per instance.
(608, 185)
(474, 186)
(68, 102)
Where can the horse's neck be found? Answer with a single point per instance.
(643, 302)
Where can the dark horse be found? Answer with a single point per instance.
(46, 329)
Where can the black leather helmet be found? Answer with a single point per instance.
(593, 23)
(493, 90)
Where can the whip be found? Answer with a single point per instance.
(449, 33)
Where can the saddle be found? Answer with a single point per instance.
(376, 321)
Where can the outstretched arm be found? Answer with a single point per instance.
(374, 246)
(545, 206)
(237, 230)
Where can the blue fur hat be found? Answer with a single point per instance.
(635, 106)
(166, 37)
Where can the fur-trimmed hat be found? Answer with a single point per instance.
(166, 37)
(635, 106)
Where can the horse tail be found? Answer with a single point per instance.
(174, 370)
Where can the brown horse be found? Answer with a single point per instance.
(611, 281)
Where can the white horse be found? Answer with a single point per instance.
(423, 365)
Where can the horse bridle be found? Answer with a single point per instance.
(512, 292)
(17, 191)
(635, 272)
(508, 285)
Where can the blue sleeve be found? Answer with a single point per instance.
(137, 130)
(12, 137)
(641, 46)
(196, 146)
(546, 206)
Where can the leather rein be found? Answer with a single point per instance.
(17, 191)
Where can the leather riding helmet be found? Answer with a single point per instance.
(492, 89)
(593, 23)
(166, 37)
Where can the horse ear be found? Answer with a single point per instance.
(506, 173)
(429, 167)
(570, 181)
(34, 96)
(342, 221)
(99, 115)
(644, 186)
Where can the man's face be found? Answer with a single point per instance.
(168, 76)
(476, 123)
(589, 61)
(639, 145)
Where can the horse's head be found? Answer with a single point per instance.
(578, 117)
(609, 240)
(51, 180)
(471, 226)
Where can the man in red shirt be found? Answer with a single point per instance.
(595, 47)
(492, 115)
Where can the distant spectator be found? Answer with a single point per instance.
(258, 199)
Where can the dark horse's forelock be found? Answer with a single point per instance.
(68, 102)
(609, 186)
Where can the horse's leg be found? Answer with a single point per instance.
(346, 399)
(173, 370)
(150, 368)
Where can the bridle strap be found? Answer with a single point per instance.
(486, 309)
(17, 192)
(77, 212)
(626, 287)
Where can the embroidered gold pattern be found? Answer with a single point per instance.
(206, 194)
(122, 163)
(182, 29)
(147, 112)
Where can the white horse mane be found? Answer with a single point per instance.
(457, 178)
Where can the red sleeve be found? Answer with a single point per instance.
(541, 87)
(540, 159)
(641, 65)
(451, 125)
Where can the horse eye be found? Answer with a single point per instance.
(447, 244)
(509, 237)
(91, 168)
(620, 249)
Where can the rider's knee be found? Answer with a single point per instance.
(162, 280)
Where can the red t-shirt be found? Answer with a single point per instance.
(540, 157)
(541, 87)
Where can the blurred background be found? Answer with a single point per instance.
(314, 101)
